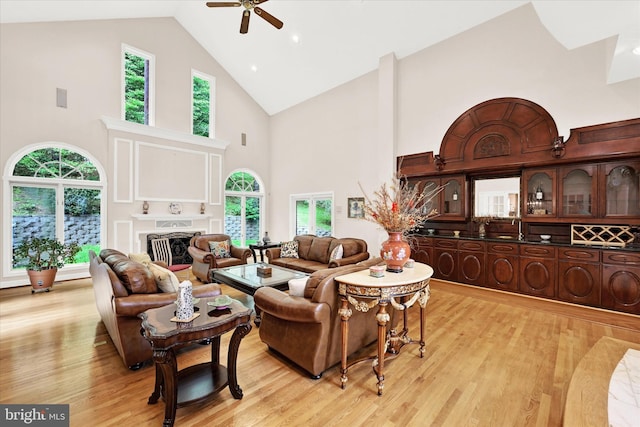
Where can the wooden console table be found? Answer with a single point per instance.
(197, 383)
(365, 292)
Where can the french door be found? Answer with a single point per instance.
(312, 214)
(242, 219)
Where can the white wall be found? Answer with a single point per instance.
(85, 59)
(328, 142)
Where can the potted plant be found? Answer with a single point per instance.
(42, 256)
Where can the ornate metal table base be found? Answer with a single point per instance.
(364, 293)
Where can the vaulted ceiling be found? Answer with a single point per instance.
(341, 40)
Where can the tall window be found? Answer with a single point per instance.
(243, 207)
(138, 86)
(56, 193)
(202, 104)
(313, 214)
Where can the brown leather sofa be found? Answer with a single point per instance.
(306, 330)
(204, 261)
(314, 253)
(123, 289)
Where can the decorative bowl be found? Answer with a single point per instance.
(545, 237)
(220, 302)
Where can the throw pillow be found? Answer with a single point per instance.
(336, 253)
(220, 249)
(289, 249)
(166, 280)
(142, 258)
(296, 286)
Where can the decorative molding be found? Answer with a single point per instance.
(181, 217)
(126, 147)
(216, 185)
(155, 132)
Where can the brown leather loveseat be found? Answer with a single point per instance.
(204, 260)
(123, 289)
(314, 253)
(306, 330)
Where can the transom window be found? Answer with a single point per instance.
(203, 104)
(138, 85)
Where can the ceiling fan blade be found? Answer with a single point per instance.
(244, 24)
(268, 17)
(223, 4)
(257, 2)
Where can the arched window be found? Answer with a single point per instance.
(243, 208)
(56, 192)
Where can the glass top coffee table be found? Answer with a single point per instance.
(245, 278)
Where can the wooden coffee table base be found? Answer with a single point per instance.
(197, 383)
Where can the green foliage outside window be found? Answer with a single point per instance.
(201, 105)
(136, 90)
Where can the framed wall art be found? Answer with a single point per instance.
(356, 207)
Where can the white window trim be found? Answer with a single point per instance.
(311, 197)
(212, 100)
(152, 81)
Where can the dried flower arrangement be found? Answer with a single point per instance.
(401, 207)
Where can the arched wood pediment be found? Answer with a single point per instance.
(502, 127)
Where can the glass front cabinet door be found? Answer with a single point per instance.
(451, 202)
(578, 191)
(540, 188)
(620, 186)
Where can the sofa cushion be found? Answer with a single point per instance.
(289, 249)
(336, 253)
(351, 246)
(136, 277)
(304, 244)
(296, 286)
(142, 258)
(319, 250)
(220, 249)
(166, 279)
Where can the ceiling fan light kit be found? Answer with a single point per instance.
(246, 14)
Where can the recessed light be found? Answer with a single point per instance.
(295, 38)
(636, 50)
(254, 68)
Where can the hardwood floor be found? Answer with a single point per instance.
(492, 359)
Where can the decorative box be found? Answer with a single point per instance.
(263, 270)
(377, 270)
(410, 263)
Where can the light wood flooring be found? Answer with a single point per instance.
(492, 359)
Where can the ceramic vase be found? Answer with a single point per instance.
(185, 301)
(266, 239)
(395, 252)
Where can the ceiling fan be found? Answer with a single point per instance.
(248, 5)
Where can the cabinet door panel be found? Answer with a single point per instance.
(579, 283)
(445, 264)
(577, 191)
(502, 272)
(471, 268)
(621, 288)
(537, 276)
(620, 185)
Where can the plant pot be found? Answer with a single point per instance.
(42, 280)
(395, 252)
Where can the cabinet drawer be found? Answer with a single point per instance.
(503, 248)
(538, 251)
(469, 245)
(579, 254)
(421, 241)
(615, 257)
(446, 243)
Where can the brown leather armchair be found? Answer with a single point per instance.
(123, 289)
(306, 330)
(204, 261)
